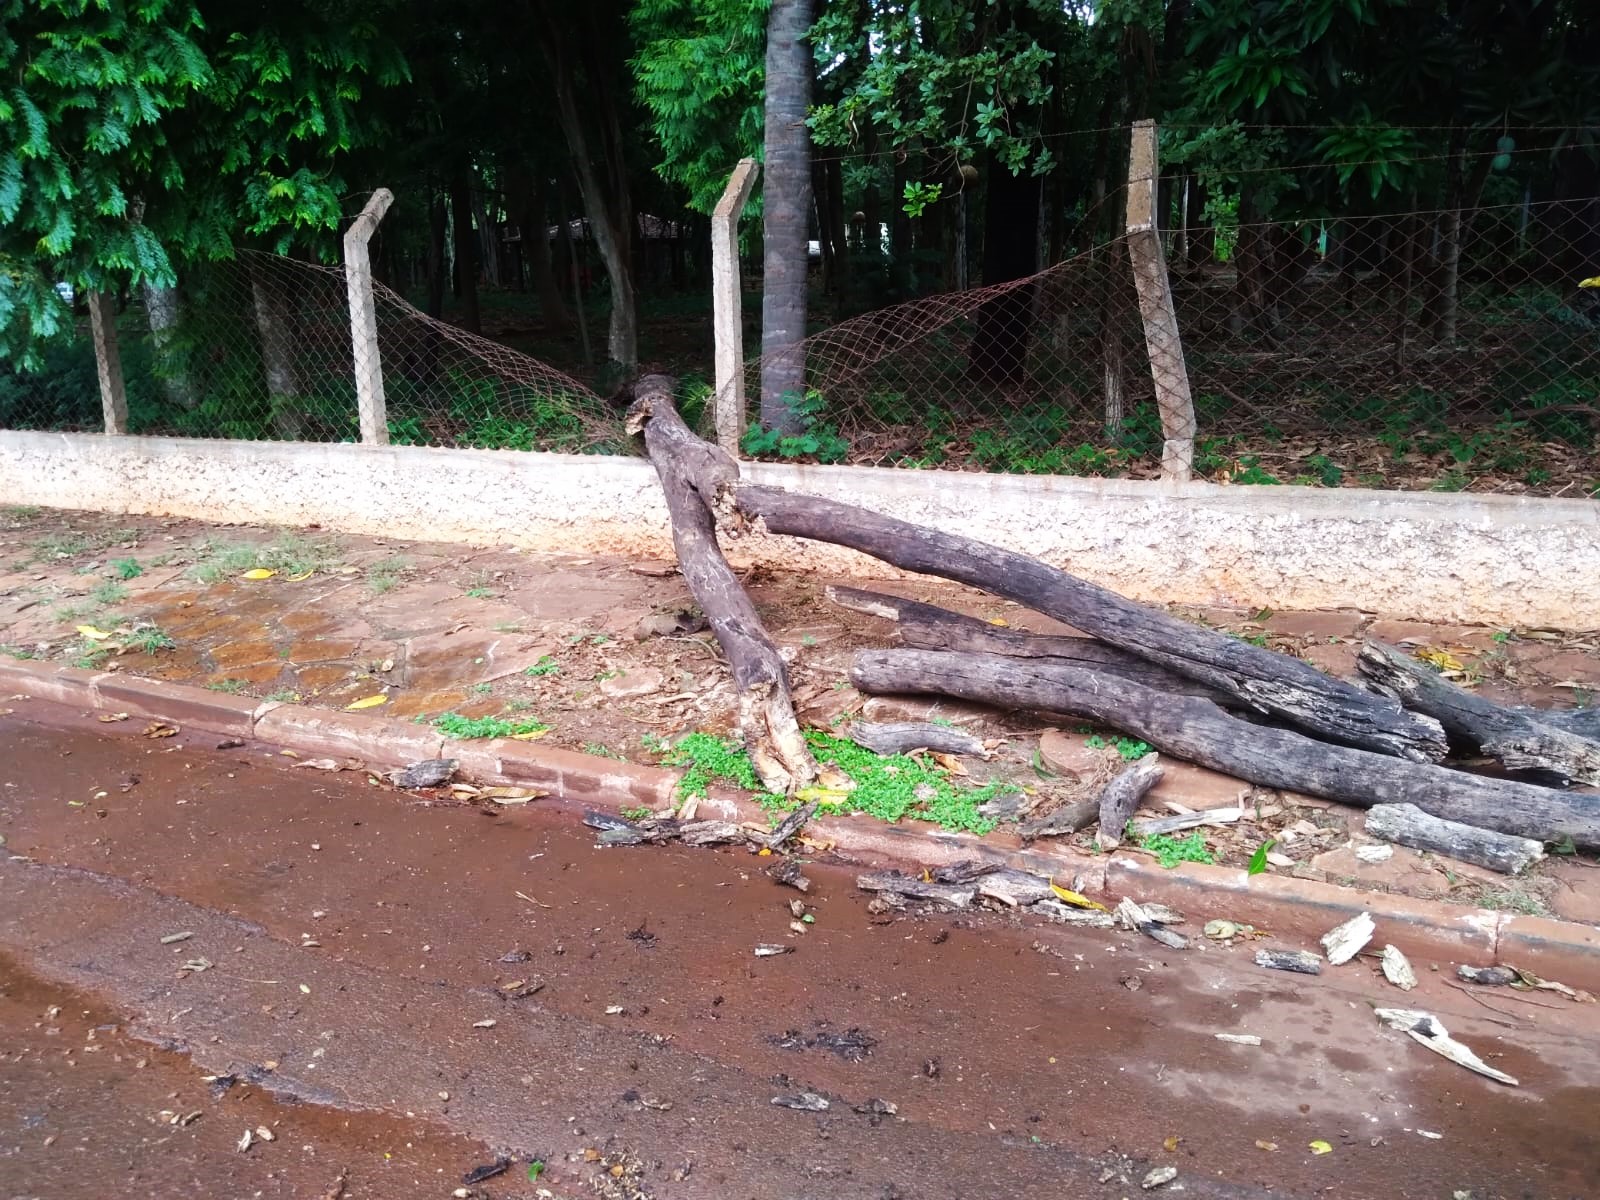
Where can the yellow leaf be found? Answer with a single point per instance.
(832, 797)
(764, 852)
(368, 702)
(93, 634)
(531, 735)
(950, 763)
(1076, 900)
(1170, 1143)
(1321, 1147)
(1260, 1145)
(258, 573)
(1442, 659)
(1001, 621)
(299, 577)
(1592, 282)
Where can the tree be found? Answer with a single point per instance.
(786, 212)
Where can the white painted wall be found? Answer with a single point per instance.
(1431, 556)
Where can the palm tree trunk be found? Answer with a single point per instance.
(786, 193)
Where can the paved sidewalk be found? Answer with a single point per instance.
(607, 653)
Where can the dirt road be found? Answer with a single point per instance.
(403, 993)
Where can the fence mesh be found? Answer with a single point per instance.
(1423, 350)
(259, 347)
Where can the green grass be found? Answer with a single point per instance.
(545, 666)
(385, 575)
(482, 689)
(89, 612)
(285, 696)
(149, 640)
(11, 651)
(453, 724)
(109, 593)
(636, 814)
(601, 750)
(709, 758)
(21, 512)
(126, 568)
(1170, 851)
(480, 593)
(71, 544)
(232, 686)
(287, 554)
(892, 787)
(1513, 899)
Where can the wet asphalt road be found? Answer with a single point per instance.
(357, 942)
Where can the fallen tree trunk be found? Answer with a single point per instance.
(1517, 739)
(1585, 722)
(902, 737)
(1200, 732)
(929, 627)
(690, 469)
(1274, 683)
(1410, 826)
(1120, 798)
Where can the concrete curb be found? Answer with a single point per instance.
(1298, 910)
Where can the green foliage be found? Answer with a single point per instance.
(1129, 748)
(126, 568)
(1258, 860)
(1170, 850)
(817, 439)
(893, 787)
(454, 725)
(710, 758)
(545, 666)
(149, 639)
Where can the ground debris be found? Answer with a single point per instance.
(1066, 914)
(803, 1102)
(1343, 942)
(1426, 1029)
(788, 872)
(766, 950)
(1131, 915)
(1397, 969)
(1303, 962)
(1159, 1177)
(1241, 1039)
(903, 737)
(489, 1170)
(896, 884)
(1488, 976)
(791, 825)
(852, 1045)
(430, 772)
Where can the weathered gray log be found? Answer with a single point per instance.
(1585, 722)
(690, 470)
(1274, 683)
(1069, 818)
(1198, 731)
(1410, 826)
(902, 737)
(1520, 741)
(929, 627)
(1302, 962)
(1172, 824)
(1120, 798)
(897, 884)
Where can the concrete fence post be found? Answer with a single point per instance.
(1168, 370)
(370, 402)
(108, 361)
(727, 317)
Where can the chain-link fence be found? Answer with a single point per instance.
(260, 348)
(1438, 350)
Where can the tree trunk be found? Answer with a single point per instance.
(1199, 732)
(275, 323)
(163, 307)
(533, 218)
(466, 245)
(999, 351)
(1119, 799)
(1518, 740)
(691, 473)
(1408, 825)
(1272, 683)
(438, 223)
(786, 199)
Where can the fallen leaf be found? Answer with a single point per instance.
(157, 730)
(1000, 621)
(319, 764)
(1077, 901)
(93, 634)
(298, 578)
(108, 718)
(1321, 1147)
(949, 762)
(368, 702)
(1269, 1146)
(1443, 660)
(833, 797)
(530, 736)
(510, 795)
(1170, 1143)
(258, 573)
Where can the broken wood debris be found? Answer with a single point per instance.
(1408, 825)
(1302, 962)
(1120, 798)
(1347, 939)
(1131, 915)
(896, 884)
(1425, 1028)
(791, 825)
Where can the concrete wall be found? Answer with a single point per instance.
(1444, 557)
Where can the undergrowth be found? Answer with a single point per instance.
(453, 724)
(1170, 851)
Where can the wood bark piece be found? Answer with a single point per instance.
(1200, 732)
(897, 884)
(1302, 962)
(1274, 683)
(1410, 826)
(929, 627)
(791, 825)
(902, 737)
(1119, 799)
(690, 469)
(1069, 818)
(1193, 820)
(1517, 739)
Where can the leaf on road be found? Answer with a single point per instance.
(1321, 1147)
(158, 730)
(367, 702)
(93, 634)
(1077, 901)
(258, 573)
